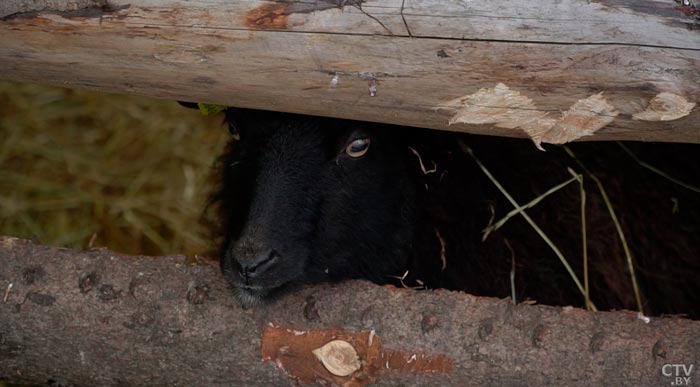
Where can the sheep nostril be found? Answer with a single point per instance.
(260, 264)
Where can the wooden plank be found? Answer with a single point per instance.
(422, 57)
(624, 22)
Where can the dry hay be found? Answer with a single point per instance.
(131, 171)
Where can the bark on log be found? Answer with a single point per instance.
(542, 65)
(98, 318)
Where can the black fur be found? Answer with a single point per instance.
(288, 185)
(291, 195)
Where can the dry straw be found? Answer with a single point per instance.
(131, 171)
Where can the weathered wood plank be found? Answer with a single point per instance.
(625, 22)
(422, 57)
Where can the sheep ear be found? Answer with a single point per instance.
(207, 109)
(189, 105)
(241, 119)
(233, 119)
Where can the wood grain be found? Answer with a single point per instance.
(420, 55)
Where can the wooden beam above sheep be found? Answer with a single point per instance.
(554, 71)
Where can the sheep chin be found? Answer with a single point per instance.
(250, 298)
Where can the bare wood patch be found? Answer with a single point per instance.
(584, 118)
(501, 106)
(509, 109)
(665, 107)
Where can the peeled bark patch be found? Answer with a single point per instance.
(501, 106)
(584, 118)
(340, 357)
(665, 107)
(509, 109)
(275, 15)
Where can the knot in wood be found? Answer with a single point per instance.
(339, 357)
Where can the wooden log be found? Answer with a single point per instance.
(99, 318)
(553, 70)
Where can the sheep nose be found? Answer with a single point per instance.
(259, 265)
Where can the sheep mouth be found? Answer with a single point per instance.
(254, 292)
(251, 296)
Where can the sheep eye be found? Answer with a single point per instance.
(358, 147)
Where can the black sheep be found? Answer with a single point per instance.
(308, 199)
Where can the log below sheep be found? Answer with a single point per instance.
(99, 318)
